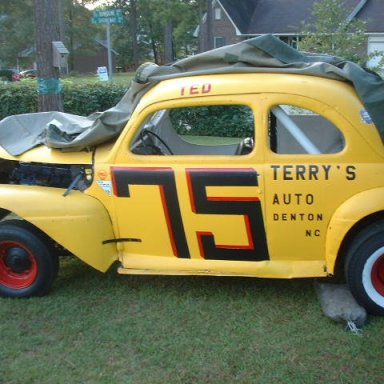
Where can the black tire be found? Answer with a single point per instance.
(27, 267)
(364, 268)
(41, 235)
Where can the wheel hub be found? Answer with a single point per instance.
(18, 266)
(17, 259)
(378, 275)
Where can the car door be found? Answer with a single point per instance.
(188, 188)
(308, 175)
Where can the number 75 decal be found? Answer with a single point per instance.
(201, 203)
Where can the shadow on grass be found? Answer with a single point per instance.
(74, 275)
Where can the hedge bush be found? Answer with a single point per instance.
(83, 98)
(86, 98)
(16, 98)
(213, 120)
(79, 98)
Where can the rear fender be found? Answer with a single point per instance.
(78, 222)
(346, 216)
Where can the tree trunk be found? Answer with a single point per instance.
(201, 26)
(71, 57)
(47, 30)
(209, 36)
(133, 26)
(153, 45)
(168, 43)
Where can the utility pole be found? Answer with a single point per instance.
(47, 30)
(209, 36)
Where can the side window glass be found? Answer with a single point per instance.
(201, 130)
(294, 130)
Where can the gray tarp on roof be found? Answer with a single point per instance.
(262, 54)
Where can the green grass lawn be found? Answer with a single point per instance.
(124, 78)
(107, 328)
(120, 78)
(211, 140)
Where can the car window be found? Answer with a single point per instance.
(295, 130)
(200, 130)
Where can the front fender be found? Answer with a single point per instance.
(78, 222)
(346, 216)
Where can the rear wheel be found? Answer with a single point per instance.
(365, 268)
(27, 268)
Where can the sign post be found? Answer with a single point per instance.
(108, 17)
(109, 45)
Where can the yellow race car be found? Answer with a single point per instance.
(271, 175)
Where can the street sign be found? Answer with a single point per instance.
(102, 73)
(108, 16)
(108, 12)
(107, 20)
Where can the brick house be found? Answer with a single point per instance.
(82, 61)
(87, 62)
(234, 21)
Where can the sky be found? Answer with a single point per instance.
(97, 4)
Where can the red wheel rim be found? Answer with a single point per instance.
(18, 266)
(377, 275)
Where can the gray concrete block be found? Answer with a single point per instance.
(339, 305)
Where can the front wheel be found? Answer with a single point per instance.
(27, 268)
(364, 268)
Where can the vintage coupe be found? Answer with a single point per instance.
(270, 175)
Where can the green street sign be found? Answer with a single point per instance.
(107, 20)
(108, 13)
(108, 16)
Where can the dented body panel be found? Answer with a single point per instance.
(77, 222)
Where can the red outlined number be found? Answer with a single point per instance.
(249, 207)
(165, 179)
(198, 180)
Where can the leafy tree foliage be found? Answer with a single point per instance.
(140, 38)
(16, 30)
(157, 27)
(331, 32)
(79, 32)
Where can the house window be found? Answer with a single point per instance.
(217, 13)
(219, 41)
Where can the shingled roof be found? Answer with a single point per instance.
(240, 12)
(373, 15)
(257, 17)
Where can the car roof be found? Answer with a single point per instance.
(269, 54)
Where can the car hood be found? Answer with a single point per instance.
(43, 154)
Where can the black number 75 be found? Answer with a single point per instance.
(201, 203)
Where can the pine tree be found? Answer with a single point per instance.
(47, 30)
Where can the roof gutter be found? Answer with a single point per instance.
(356, 10)
(238, 32)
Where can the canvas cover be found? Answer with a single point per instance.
(261, 54)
